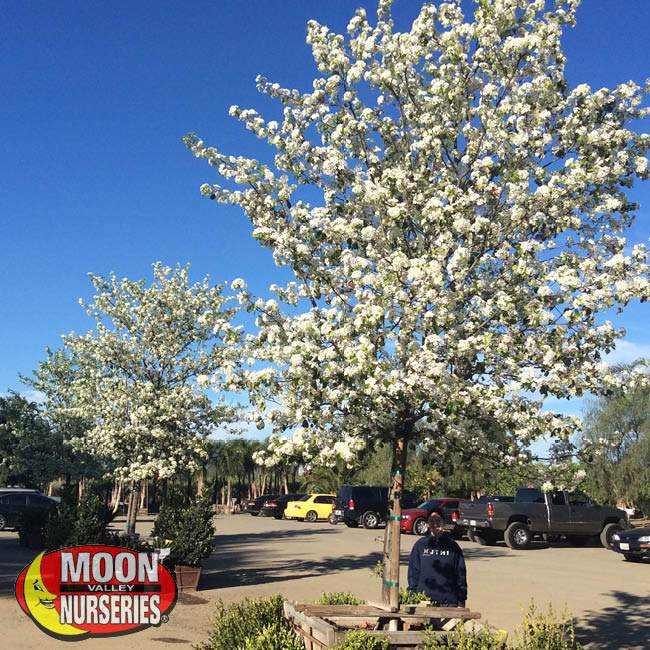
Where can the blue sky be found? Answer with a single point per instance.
(93, 174)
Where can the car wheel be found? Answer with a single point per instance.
(255, 514)
(3, 522)
(351, 524)
(607, 532)
(420, 526)
(278, 516)
(629, 557)
(311, 516)
(517, 535)
(333, 519)
(470, 535)
(370, 519)
(577, 540)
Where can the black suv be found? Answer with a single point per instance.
(366, 504)
(13, 503)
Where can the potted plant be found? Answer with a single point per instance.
(189, 533)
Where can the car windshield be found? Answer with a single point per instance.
(305, 498)
(430, 504)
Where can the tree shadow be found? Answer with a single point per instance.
(476, 552)
(626, 626)
(246, 539)
(215, 577)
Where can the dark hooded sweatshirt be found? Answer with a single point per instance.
(437, 567)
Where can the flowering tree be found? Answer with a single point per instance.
(138, 378)
(468, 235)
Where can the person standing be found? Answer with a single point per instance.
(437, 566)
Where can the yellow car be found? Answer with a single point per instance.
(311, 507)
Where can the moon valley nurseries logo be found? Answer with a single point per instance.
(85, 591)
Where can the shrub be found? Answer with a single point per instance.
(359, 640)
(170, 517)
(93, 515)
(339, 598)
(407, 597)
(245, 620)
(128, 542)
(465, 639)
(537, 632)
(190, 530)
(75, 525)
(273, 637)
(59, 527)
(543, 632)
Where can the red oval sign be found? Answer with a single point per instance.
(83, 591)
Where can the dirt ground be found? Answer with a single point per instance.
(255, 556)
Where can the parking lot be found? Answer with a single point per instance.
(257, 556)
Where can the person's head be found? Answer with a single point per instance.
(436, 523)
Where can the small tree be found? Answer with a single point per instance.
(139, 377)
(33, 449)
(467, 234)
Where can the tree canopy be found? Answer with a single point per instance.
(138, 378)
(469, 232)
(466, 237)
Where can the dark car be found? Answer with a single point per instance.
(366, 505)
(634, 543)
(14, 503)
(253, 506)
(275, 507)
(414, 520)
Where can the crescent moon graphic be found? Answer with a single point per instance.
(40, 602)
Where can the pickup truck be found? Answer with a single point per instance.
(536, 513)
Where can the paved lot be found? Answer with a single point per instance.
(257, 556)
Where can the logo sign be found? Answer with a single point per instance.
(85, 591)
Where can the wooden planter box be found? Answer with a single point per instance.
(321, 627)
(187, 577)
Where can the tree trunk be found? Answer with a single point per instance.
(215, 491)
(117, 495)
(132, 514)
(144, 491)
(163, 492)
(286, 485)
(201, 481)
(390, 586)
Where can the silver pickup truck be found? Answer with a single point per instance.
(536, 513)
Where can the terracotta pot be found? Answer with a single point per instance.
(187, 577)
